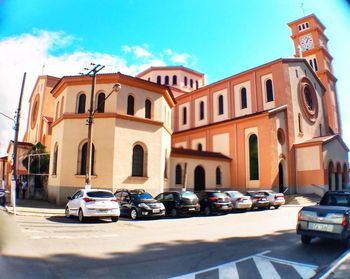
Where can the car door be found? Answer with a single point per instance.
(125, 203)
(74, 203)
(168, 202)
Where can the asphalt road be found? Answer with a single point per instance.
(258, 244)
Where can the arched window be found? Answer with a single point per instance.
(148, 109)
(178, 174)
(300, 124)
(199, 147)
(101, 102)
(81, 103)
(218, 176)
(191, 83)
(201, 110)
(62, 106)
(315, 64)
(130, 108)
(253, 157)
(221, 104)
(197, 84)
(54, 162)
(185, 81)
(137, 160)
(269, 91)
(166, 80)
(57, 110)
(83, 159)
(159, 80)
(243, 98)
(174, 80)
(166, 167)
(184, 116)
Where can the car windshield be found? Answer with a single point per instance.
(336, 200)
(99, 194)
(188, 195)
(217, 195)
(234, 194)
(141, 196)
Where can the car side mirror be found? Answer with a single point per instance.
(69, 198)
(318, 203)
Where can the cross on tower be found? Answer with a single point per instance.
(302, 8)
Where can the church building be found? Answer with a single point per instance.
(275, 126)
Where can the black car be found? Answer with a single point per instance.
(138, 203)
(2, 197)
(179, 202)
(259, 200)
(214, 201)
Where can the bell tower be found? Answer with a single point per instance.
(310, 43)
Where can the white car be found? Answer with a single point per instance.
(93, 203)
(275, 199)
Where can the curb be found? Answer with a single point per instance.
(331, 269)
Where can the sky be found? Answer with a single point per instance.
(219, 38)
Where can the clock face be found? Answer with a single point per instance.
(306, 42)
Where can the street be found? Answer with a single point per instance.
(257, 244)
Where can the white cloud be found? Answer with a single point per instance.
(29, 52)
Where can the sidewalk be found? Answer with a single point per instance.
(338, 269)
(36, 208)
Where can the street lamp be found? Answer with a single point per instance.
(116, 87)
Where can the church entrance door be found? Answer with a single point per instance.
(199, 178)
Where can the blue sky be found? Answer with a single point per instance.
(219, 38)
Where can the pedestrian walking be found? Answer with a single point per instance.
(24, 188)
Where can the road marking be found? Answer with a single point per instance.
(37, 237)
(263, 264)
(266, 268)
(228, 271)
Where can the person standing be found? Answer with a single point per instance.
(24, 188)
(18, 187)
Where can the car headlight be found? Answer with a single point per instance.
(144, 206)
(162, 206)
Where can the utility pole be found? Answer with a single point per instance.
(14, 153)
(90, 121)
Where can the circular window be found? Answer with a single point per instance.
(281, 136)
(35, 110)
(308, 99)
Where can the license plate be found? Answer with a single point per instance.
(224, 206)
(245, 201)
(156, 210)
(320, 227)
(102, 211)
(190, 209)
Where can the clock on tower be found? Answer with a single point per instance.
(306, 42)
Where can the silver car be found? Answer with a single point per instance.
(239, 201)
(275, 199)
(93, 203)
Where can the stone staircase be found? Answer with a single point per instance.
(298, 199)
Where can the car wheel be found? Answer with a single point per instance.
(173, 212)
(66, 212)
(81, 216)
(277, 206)
(305, 239)
(207, 211)
(133, 214)
(114, 219)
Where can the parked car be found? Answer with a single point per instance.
(258, 200)
(93, 203)
(239, 201)
(2, 197)
(214, 202)
(328, 219)
(138, 203)
(179, 203)
(275, 199)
